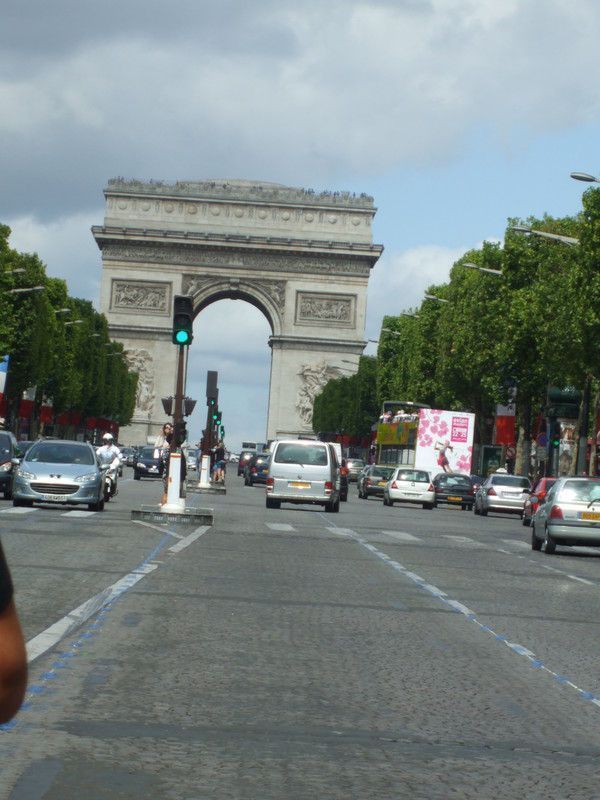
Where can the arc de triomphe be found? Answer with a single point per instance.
(302, 258)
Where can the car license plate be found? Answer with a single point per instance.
(592, 515)
(455, 499)
(153, 469)
(299, 484)
(52, 498)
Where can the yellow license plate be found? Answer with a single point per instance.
(299, 484)
(382, 483)
(455, 499)
(595, 515)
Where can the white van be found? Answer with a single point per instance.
(303, 471)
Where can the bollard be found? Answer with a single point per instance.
(204, 482)
(175, 504)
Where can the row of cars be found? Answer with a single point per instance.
(560, 511)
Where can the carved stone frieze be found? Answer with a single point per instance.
(141, 361)
(140, 295)
(313, 378)
(193, 256)
(193, 284)
(337, 310)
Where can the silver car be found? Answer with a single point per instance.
(355, 467)
(55, 471)
(568, 515)
(303, 471)
(502, 492)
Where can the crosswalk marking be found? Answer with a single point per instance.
(279, 526)
(77, 513)
(18, 510)
(517, 543)
(401, 536)
(460, 539)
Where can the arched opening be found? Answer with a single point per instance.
(231, 336)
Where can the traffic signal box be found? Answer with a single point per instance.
(183, 319)
(180, 433)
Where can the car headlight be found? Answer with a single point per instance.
(90, 476)
(6, 467)
(22, 473)
(140, 465)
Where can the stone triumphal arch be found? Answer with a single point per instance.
(302, 258)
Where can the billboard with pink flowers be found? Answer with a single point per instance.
(445, 441)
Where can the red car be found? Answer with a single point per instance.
(540, 490)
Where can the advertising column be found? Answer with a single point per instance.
(445, 441)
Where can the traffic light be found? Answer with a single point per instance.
(180, 433)
(554, 434)
(222, 431)
(218, 419)
(183, 319)
(215, 413)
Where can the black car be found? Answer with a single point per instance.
(148, 464)
(245, 457)
(9, 459)
(257, 470)
(372, 480)
(128, 454)
(455, 490)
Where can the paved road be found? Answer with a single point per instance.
(375, 653)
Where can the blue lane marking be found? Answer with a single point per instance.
(37, 689)
(469, 615)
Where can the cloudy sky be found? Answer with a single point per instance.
(453, 114)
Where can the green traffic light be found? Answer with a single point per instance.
(182, 337)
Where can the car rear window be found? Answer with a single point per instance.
(146, 452)
(510, 480)
(416, 475)
(60, 453)
(355, 462)
(290, 453)
(382, 472)
(580, 492)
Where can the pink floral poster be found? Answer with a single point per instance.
(445, 441)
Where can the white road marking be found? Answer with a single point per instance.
(470, 615)
(78, 514)
(517, 543)
(581, 580)
(341, 531)
(461, 539)
(401, 536)
(279, 526)
(45, 640)
(157, 528)
(18, 510)
(189, 539)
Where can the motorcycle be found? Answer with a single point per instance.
(109, 480)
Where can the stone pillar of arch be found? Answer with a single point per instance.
(302, 258)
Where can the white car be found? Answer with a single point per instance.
(409, 485)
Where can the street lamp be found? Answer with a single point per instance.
(482, 269)
(389, 330)
(62, 311)
(26, 290)
(570, 240)
(584, 176)
(17, 271)
(74, 322)
(437, 299)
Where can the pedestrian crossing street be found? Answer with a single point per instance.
(21, 510)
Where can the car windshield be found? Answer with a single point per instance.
(61, 453)
(146, 452)
(355, 462)
(580, 492)
(510, 480)
(290, 453)
(416, 475)
(4, 445)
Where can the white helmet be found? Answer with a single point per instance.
(108, 437)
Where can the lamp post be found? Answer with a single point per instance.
(437, 299)
(557, 237)
(482, 269)
(74, 322)
(26, 290)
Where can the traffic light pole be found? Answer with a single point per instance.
(175, 502)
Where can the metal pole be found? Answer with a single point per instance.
(175, 502)
(584, 428)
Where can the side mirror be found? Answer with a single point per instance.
(16, 461)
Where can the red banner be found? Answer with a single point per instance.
(505, 430)
(62, 419)
(46, 414)
(26, 409)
